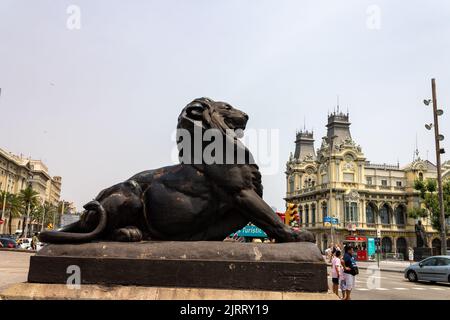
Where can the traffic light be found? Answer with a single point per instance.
(291, 215)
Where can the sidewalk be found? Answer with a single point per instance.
(385, 265)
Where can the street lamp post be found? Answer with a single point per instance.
(28, 210)
(437, 138)
(43, 215)
(4, 202)
(27, 220)
(330, 143)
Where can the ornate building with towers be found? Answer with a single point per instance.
(340, 193)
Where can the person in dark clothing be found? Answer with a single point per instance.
(350, 271)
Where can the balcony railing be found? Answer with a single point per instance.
(358, 225)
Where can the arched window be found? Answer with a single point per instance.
(420, 176)
(324, 209)
(386, 245)
(370, 213)
(351, 212)
(300, 216)
(400, 215)
(436, 243)
(291, 183)
(402, 247)
(385, 214)
(307, 215)
(313, 215)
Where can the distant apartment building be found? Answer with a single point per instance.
(16, 172)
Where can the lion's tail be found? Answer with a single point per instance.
(65, 236)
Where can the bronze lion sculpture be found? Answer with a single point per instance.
(190, 201)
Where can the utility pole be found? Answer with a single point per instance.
(4, 198)
(331, 141)
(43, 215)
(437, 138)
(26, 221)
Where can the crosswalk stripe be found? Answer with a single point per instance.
(362, 289)
(437, 289)
(381, 289)
(415, 288)
(400, 288)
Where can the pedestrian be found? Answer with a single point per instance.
(34, 241)
(336, 267)
(337, 247)
(350, 271)
(328, 252)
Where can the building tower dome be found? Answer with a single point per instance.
(338, 127)
(304, 146)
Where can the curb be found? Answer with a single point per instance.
(18, 250)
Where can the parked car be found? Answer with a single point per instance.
(9, 236)
(8, 243)
(434, 269)
(24, 243)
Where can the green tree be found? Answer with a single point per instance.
(29, 200)
(430, 201)
(44, 214)
(13, 207)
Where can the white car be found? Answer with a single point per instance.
(25, 243)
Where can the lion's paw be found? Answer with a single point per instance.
(127, 234)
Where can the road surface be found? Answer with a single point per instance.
(13, 267)
(387, 285)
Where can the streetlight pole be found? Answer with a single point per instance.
(6, 191)
(25, 232)
(331, 141)
(28, 211)
(43, 215)
(437, 139)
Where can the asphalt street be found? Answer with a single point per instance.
(13, 267)
(386, 285)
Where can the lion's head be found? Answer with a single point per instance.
(212, 115)
(220, 122)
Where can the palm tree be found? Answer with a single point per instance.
(29, 200)
(44, 214)
(15, 208)
(12, 206)
(4, 202)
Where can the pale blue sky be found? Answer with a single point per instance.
(100, 103)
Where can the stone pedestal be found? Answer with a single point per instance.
(422, 253)
(39, 291)
(286, 267)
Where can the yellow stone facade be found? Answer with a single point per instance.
(367, 199)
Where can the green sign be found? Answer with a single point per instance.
(252, 232)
